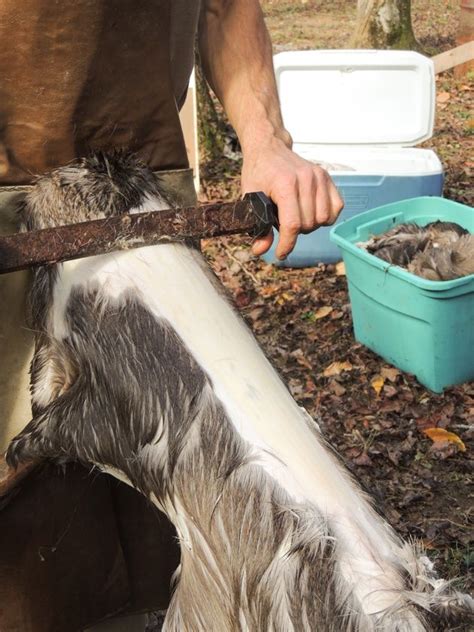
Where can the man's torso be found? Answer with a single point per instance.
(82, 75)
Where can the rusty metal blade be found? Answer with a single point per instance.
(254, 214)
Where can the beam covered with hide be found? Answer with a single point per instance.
(143, 368)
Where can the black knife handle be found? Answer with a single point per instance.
(265, 211)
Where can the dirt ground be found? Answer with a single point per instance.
(375, 416)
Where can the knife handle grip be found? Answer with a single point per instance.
(265, 211)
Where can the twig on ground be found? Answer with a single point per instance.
(244, 269)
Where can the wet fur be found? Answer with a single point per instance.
(439, 251)
(121, 379)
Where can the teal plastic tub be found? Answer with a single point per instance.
(420, 326)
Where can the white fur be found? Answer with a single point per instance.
(43, 391)
(173, 283)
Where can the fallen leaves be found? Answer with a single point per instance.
(284, 297)
(389, 373)
(440, 418)
(410, 473)
(270, 289)
(322, 312)
(301, 358)
(340, 269)
(390, 391)
(440, 435)
(377, 383)
(242, 298)
(336, 388)
(359, 457)
(336, 368)
(443, 97)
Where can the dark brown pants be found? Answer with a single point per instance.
(77, 547)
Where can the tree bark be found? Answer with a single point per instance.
(384, 24)
(465, 34)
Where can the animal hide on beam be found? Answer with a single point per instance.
(143, 368)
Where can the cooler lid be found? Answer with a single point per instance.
(356, 97)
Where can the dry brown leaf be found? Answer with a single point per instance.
(438, 435)
(389, 391)
(424, 422)
(441, 418)
(389, 373)
(243, 255)
(336, 368)
(301, 358)
(322, 312)
(242, 299)
(377, 383)
(255, 313)
(284, 297)
(269, 290)
(337, 388)
(340, 269)
(443, 97)
(359, 458)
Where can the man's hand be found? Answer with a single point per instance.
(304, 193)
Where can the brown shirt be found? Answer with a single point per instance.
(82, 75)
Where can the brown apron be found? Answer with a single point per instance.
(82, 75)
(75, 76)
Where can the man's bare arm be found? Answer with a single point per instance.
(237, 57)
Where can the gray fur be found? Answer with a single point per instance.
(129, 395)
(439, 251)
(443, 263)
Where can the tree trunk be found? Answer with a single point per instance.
(384, 24)
(465, 34)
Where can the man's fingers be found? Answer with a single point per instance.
(337, 203)
(329, 202)
(323, 198)
(262, 244)
(307, 198)
(290, 221)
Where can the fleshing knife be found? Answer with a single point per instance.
(254, 214)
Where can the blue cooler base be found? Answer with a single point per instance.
(360, 193)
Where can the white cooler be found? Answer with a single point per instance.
(363, 112)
